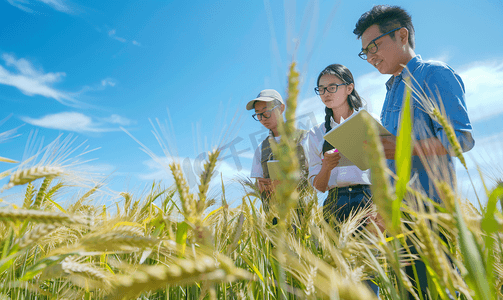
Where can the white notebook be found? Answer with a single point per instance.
(274, 169)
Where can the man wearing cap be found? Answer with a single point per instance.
(268, 107)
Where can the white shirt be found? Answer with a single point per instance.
(257, 171)
(339, 176)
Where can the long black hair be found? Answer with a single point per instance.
(354, 100)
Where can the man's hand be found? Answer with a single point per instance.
(389, 146)
(429, 146)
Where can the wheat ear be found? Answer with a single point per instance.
(381, 188)
(24, 176)
(41, 192)
(117, 240)
(78, 203)
(28, 196)
(434, 255)
(129, 230)
(70, 266)
(432, 109)
(187, 199)
(181, 271)
(447, 195)
(205, 179)
(451, 135)
(35, 234)
(9, 215)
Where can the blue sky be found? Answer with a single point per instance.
(90, 68)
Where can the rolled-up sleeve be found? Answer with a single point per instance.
(256, 170)
(448, 90)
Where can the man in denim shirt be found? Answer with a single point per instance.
(387, 36)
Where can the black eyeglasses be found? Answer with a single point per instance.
(331, 89)
(372, 47)
(266, 114)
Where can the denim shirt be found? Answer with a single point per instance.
(441, 84)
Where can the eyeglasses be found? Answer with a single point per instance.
(266, 114)
(331, 89)
(372, 47)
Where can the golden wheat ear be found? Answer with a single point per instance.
(25, 176)
(58, 158)
(35, 234)
(205, 178)
(186, 198)
(178, 272)
(381, 187)
(437, 112)
(9, 215)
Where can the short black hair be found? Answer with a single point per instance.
(386, 18)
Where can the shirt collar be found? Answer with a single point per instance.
(333, 123)
(409, 69)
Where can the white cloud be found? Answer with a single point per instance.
(31, 81)
(116, 119)
(21, 5)
(483, 83)
(158, 169)
(484, 88)
(371, 88)
(96, 168)
(486, 157)
(111, 33)
(310, 111)
(247, 154)
(58, 5)
(488, 151)
(445, 56)
(77, 122)
(109, 82)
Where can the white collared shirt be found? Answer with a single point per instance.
(257, 171)
(339, 176)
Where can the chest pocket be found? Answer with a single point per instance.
(390, 118)
(423, 124)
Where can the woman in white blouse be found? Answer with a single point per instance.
(349, 187)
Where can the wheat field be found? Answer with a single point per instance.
(174, 243)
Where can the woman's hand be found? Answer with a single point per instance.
(328, 163)
(330, 159)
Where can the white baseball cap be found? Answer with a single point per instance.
(266, 96)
